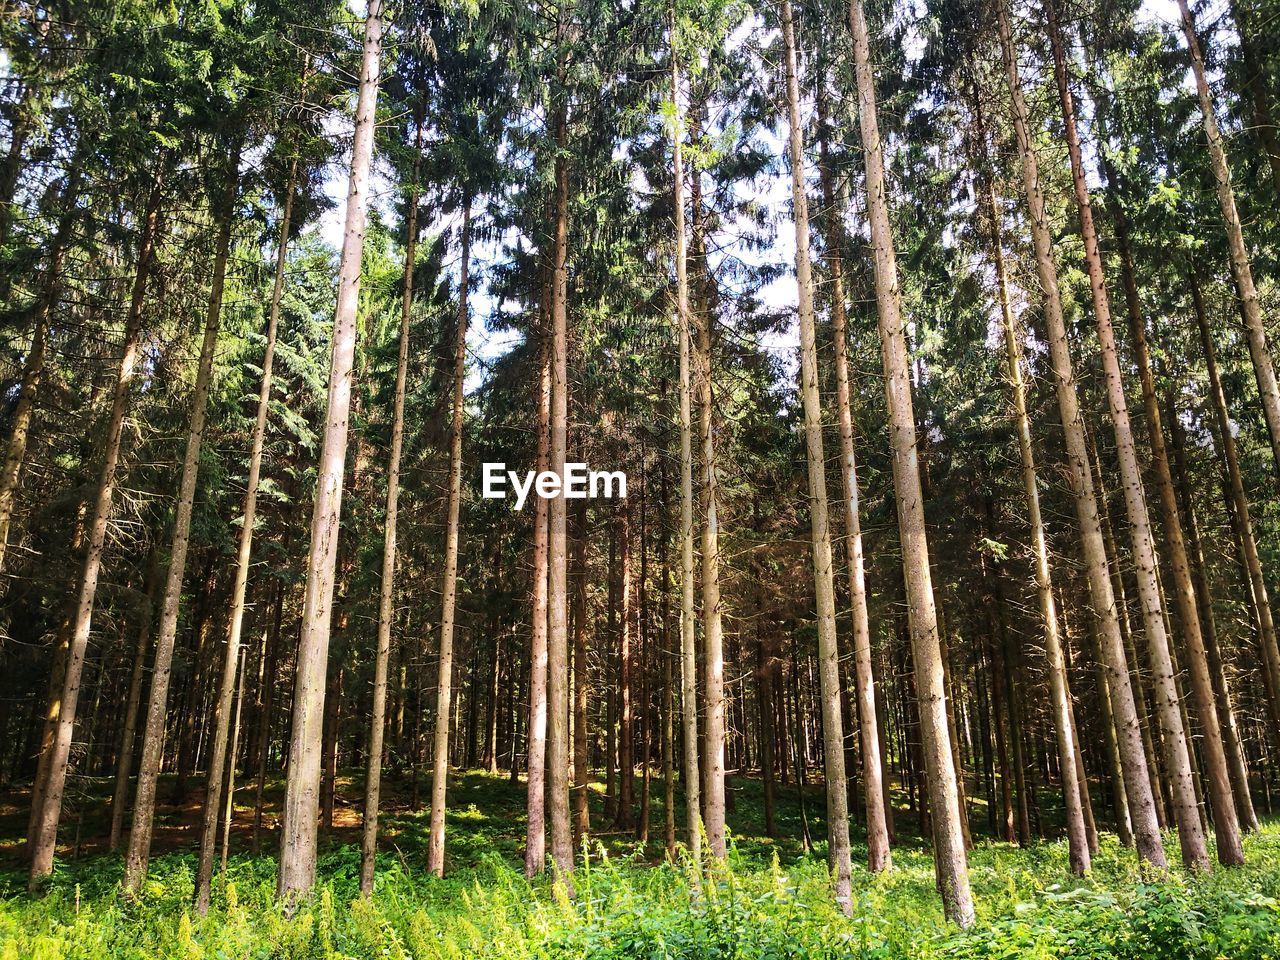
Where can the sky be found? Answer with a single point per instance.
(772, 191)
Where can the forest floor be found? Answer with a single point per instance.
(772, 899)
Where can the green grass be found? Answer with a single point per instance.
(770, 901)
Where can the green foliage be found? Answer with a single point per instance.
(753, 909)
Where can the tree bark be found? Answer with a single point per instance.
(33, 367)
(688, 626)
(139, 852)
(1237, 769)
(879, 855)
(47, 795)
(1059, 685)
(535, 849)
(951, 863)
(298, 825)
(558, 747)
(838, 853)
(387, 589)
(1241, 269)
(1079, 478)
(444, 683)
(1240, 513)
(1221, 798)
(222, 719)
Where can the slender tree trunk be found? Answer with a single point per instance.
(47, 794)
(714, 701)
(233, 750)
(33, 367)
(267, 686)
(222, 719)
(626, 762)
(1241, 269)
(1240, 513)
(1059, 685)
(535, 850)
(820, 532)
(951, 863)
(688, 626)
(444, 683)
(298, 825)
(1223, 804)
(581, 683)
(139, 853)
(879, 856)
(1080, 480)
(128, 736)
(1255, 81)
(1236, 766)
(558, 747)
(1177, 751)
(387, 589)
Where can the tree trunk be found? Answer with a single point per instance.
(558, 748)
(1080, 480)
(951, 864)
(128, 736)
(838, 854)
(1223, 804)
(387, 589)
(222, 719)
(49, 787)
(139, 853)
(688, 644)
(626, 762)
(714, 701)
(298, 825)
(1240, 513)
(1059, 685)
(581, 684)
(535, 849)
(444, 683)
(33, 367)
(1237, 770)
(1241, 269)
(879, 856)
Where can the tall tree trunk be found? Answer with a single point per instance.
(838, 853)
(128, 735)
(581, 683)
(444, 683)
(298, 825)
(33, 367)
(1241, 269)
(951, 863)
(50, 782)
(244, 551)
(558, 748)
(1236, 767)
(879, 856)
(139, 852)
(714, 700)
(1255, 80)
(626, 589)
(1059, 685)
(535, 849)
(1177, 751)
(387, 588)
(266, 696)
(1221, 798)
(688, 626)
(1240, 513)
(233, 749)
(1080, 479)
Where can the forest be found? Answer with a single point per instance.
(639, 478)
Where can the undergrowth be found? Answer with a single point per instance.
(748, 910)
